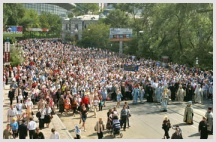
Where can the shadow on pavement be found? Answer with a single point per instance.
(70, 131)
(194, 135)
(181, 124)
(108, 137)
(93, 134)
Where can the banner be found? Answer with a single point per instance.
(120, 34)
(131, 67)
(37, 29)
(13, 31)
(6, 57)
(7, 47)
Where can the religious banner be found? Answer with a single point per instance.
(131, 67)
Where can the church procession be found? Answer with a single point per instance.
(75, 82)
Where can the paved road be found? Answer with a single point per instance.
(146, 121)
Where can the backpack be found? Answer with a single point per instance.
(38, 114)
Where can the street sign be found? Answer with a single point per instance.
(7, 47)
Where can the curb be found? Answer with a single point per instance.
(63, 128)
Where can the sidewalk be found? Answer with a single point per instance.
(55, 123)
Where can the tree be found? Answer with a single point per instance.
(16, 56)
(52, 22)
(13, 13)
(30, 19)
(117, 19)
(96, 35)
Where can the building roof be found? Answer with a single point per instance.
(67, 6)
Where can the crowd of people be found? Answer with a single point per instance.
(80, 80)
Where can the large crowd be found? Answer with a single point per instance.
(80, 80)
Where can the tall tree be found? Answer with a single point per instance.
(118, 19)
(96, 35)
(13, 13)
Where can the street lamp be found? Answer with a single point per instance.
(197, 61)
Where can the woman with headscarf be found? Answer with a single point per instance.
(77, 132)
(188, 114)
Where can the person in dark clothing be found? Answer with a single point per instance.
(166, 126)
(130, 91)
(173, 91)
(58, 94)
(22, 130)
(127, 91)
(25, 94)
(203, 129)
(38, 134)
(189, 93)
(11, 96)
(124, 115)
(177, 134)
(61, 104)
(113, 95)
(149, 92)
(123, 91)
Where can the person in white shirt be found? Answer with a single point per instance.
(42, 111)
(29, 104)
(12, 113)
(54, 135)
(77, 132)
(47, 118)
(19, 107)
(31, 127)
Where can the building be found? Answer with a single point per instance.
(61, 9)
(75, 26)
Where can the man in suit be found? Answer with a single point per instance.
(23, 131)
(11, 95)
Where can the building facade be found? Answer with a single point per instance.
(60, 9)
(75, 26)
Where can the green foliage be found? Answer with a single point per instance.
(117, 19)
(96, 35)
(16, 14)
(13, 13)
(180, 31)
(30, 20)
(16, 56)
